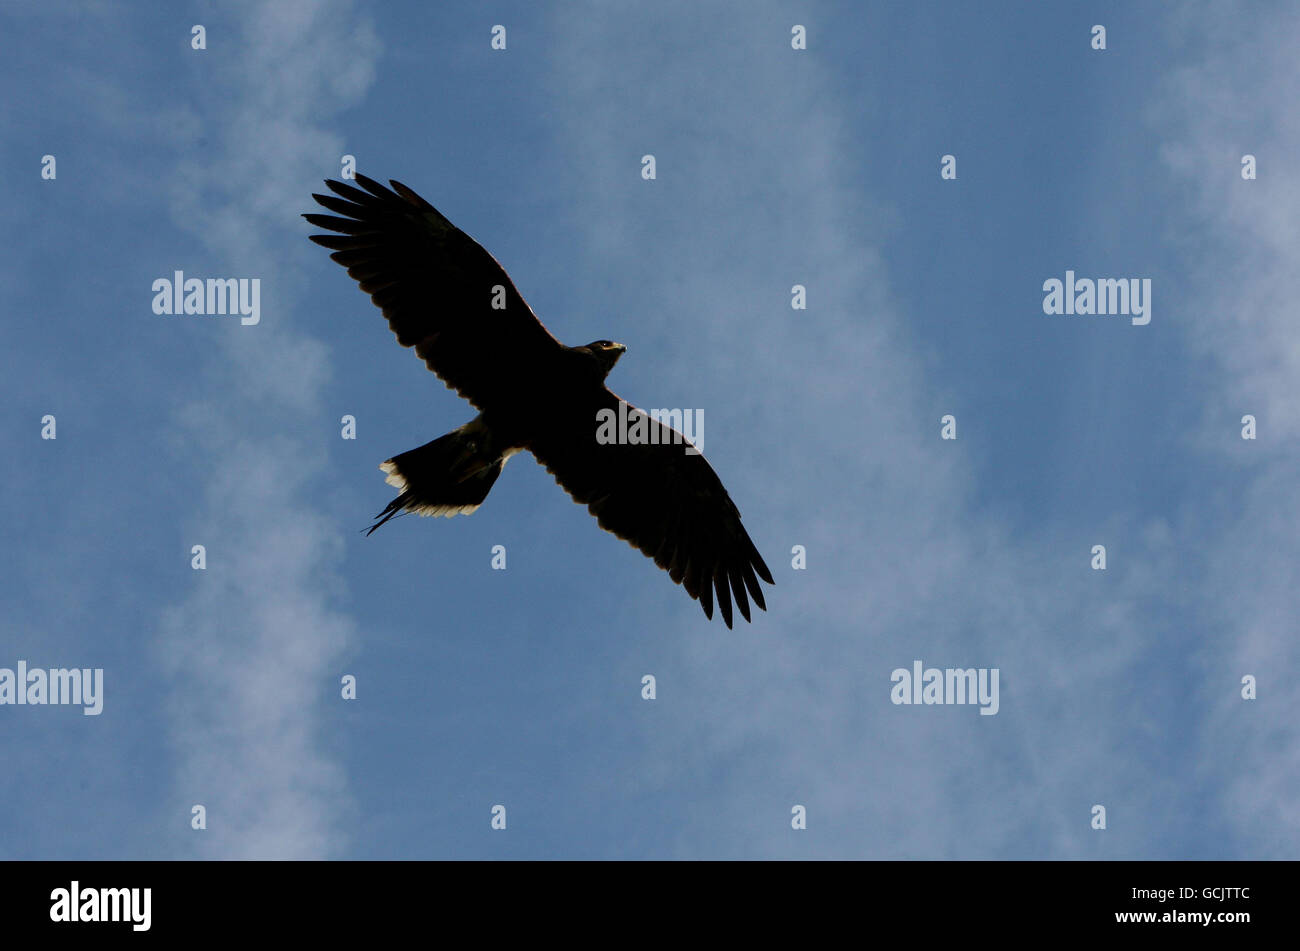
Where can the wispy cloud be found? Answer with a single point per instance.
(255, 648)
(901, 565)
(1244, 239)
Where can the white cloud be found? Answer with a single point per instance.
(256, 648)
(1236, 96)
(758, 189)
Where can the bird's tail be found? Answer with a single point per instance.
(450, 476)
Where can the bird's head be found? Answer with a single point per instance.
(606, 353)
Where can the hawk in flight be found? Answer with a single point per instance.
(447, 297)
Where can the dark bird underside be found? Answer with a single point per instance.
(448, 298)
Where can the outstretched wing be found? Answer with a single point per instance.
(437, 287)
(661, 499)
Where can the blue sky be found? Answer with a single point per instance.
(775, 167)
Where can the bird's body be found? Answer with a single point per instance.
(448, 298)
